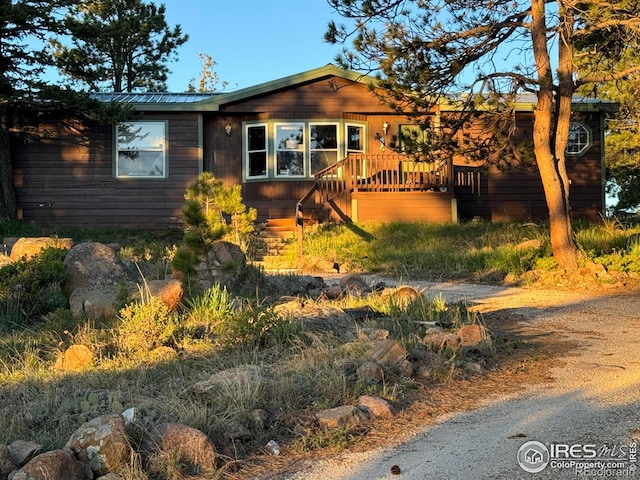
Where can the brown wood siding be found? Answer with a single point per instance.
(326, 95)
(403, 206)
(67, 178)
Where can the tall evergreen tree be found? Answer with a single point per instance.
(24, 27)
(424, 50)
(118, 45)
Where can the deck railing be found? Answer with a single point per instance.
(335, 184)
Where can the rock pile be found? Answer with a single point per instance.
(103, 449)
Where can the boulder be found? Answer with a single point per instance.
(370, 371)
(96, 301)
(7, 464)
(441, 340)
(354, 284)
(76, 358)
(387, 352)
(22, 451)
(343, 416)
(376, 406)
(53, 465)
(169, 291)
(102, 443)
(224, 264)
(474, 337)
(92, 264)
(402, 296)
(30, 247)
(189, 446)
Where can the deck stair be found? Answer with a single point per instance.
(272, 238)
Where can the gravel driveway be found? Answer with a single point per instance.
(583, 422)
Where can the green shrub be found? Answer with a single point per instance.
(31, 288)
(145, 325)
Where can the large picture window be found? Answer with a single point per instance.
(257, 149)
(141, 150)
(298, 149)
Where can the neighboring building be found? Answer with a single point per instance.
(318, 136)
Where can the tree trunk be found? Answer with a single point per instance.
(552, 172)
(8, 208)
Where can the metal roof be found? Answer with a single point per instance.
(154, 97)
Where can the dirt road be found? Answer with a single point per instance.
(583, 422)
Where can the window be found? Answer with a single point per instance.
(289, 146)
(323, 148)
(580, 139)
(256, 151)
(355, 139)
(298, 149)
(141, 150)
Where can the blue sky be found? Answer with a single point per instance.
(252, 41)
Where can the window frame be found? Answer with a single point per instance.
(312, 150)
(300, 147)
(163, 149)
(584, 145)
(271, 130)
(247, 152)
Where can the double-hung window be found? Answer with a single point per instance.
(323, 149)
(257, 151)
(141, 150)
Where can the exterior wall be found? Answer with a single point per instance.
(66, 177)
(404, 207)
(517, 193)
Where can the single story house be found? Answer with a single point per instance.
(314, 140)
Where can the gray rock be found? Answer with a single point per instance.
(370, 371)
(7, 464)
(97, 301)
(441, 340)
(22, 451)
(102, 443)
(92, 264)
(224, 264)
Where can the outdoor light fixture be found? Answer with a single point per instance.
(385, 126)
(227, 129)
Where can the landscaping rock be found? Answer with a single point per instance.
(225, 263)
(403, 296)
(441, 340)
(97, 301)
(169, 291)
(189, 446)
(102, 443)
(387, 352)
(474, 337)
(22, 451)
(343, 416)
(75, 359)
(231, 379)
(29, 247)
(370, 371)
(53, 465)
(354, 284)
(92, 264)
(376, 406)
(7, 465)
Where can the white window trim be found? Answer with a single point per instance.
(245, 147)
(164, 150)
(271, 153)
(339, 141)
(589, 143)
